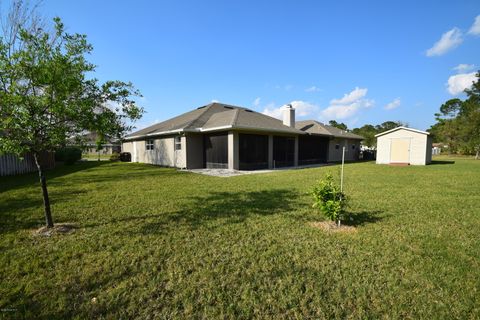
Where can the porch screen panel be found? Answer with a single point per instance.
(253, 151)
(283, 151)
(312, 150)
(216, 151)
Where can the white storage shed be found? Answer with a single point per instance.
(404, 145)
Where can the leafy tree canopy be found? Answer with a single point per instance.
(47, 94)
(339, 125)
(458, 122)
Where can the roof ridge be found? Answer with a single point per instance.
(207, 107)
(235, 116)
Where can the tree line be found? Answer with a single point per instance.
(458, 123)
(368, 131)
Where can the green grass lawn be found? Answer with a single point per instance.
(158, 243)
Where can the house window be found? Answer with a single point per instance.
(178, 143)
(149, 144)
(337, 146)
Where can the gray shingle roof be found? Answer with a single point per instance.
(216, 116)
(317, 128)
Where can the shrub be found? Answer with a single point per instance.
(68, 155)
(329, 199)
(115, 156)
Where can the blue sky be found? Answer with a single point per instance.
(354, 61)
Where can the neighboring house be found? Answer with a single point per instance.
(90, 145)
(437, 148)
(404, 146)
(12, 165)
(225, 136)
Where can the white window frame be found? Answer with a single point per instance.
(150, 144)
(178, 143)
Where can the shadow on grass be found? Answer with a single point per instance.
(18, 181)
(13, 214)
(226, 207)
(230, 207)
(364, 217)
(434, 162)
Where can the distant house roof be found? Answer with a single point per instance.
(90, 139)
(316, 128)
(404, 128)
(214, 117)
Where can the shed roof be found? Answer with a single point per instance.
(404, 128)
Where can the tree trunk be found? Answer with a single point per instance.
(477, 156)
(43, 184)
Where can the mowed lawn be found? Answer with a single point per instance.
(154, 242)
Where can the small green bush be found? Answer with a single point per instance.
(329, 199)
(68, 155)
(115, 156)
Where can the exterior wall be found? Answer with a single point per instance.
(418, 147)
(233, 151)
(351, 154)
(194, 149)
(163, 153)
(428, 159)
(180, 156)
(12, 165)
(127, 147)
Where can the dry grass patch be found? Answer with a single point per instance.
(330, 226)
(58, 228)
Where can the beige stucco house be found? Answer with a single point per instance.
(225, 136)
(404, 145)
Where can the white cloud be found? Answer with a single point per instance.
(348, 106)
(475, 28)
(313, 89)
(214, 101)
(449, 40)
(273, 111)
(345, 107)
(256, 102)
(463, 67)
(351, 97)
(393, 105)
(459, 82)
(302, 109)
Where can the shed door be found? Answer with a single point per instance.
(400, 151)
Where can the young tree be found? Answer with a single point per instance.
(46, 96)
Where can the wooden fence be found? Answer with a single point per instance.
(12, 165)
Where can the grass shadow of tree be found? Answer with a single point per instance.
(230, 207)
(18, 181)
(15, 217)
(361, 218)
